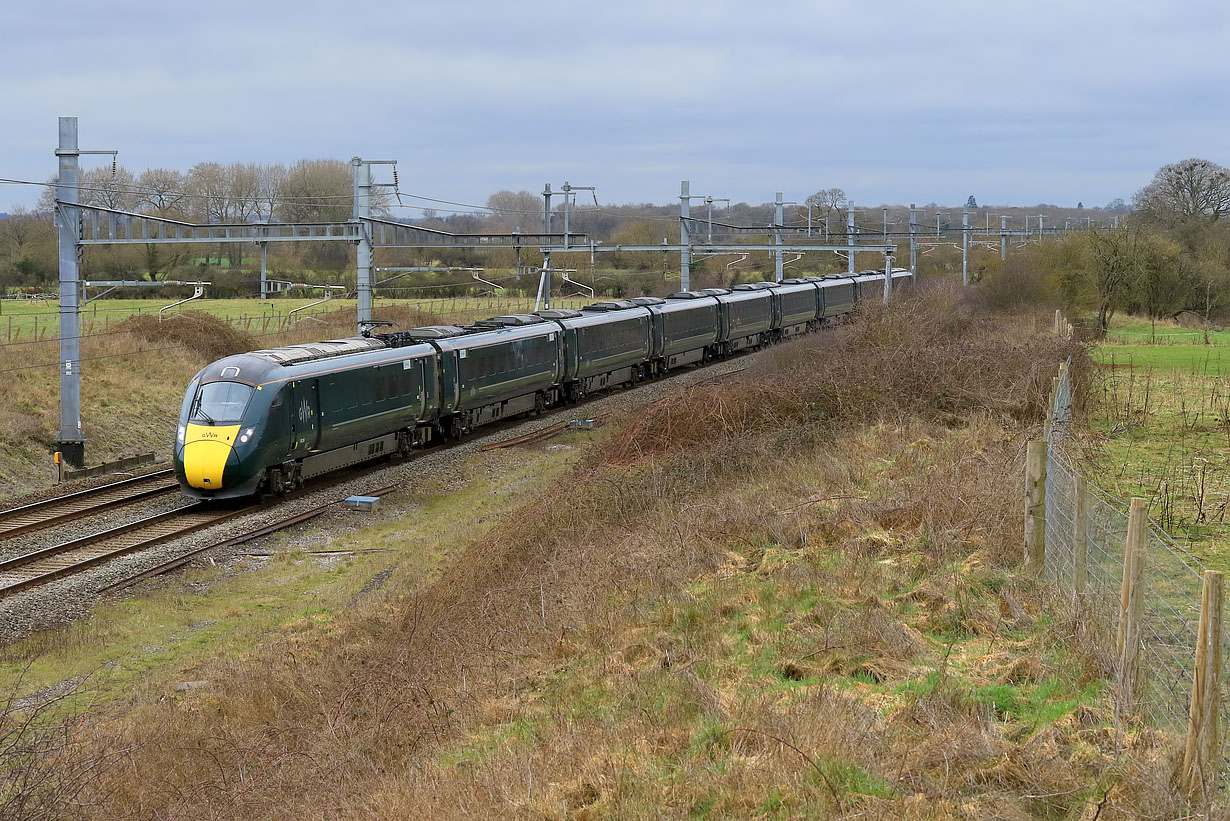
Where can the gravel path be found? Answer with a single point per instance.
(71, 598)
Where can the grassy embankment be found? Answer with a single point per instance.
(790, 594)
(1161, 424)
(170, 630)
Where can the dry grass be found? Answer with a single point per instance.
(799, 614)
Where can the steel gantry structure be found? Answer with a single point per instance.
(727, 234)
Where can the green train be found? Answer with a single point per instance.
(263, 422)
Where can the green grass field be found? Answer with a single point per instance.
(24, 320)
(1161, 418)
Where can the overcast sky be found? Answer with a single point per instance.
(1016, 103)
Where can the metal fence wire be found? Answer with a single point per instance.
(1171, 580)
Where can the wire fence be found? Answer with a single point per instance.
(1091, 577)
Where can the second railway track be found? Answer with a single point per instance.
(86, 502)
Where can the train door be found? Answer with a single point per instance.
(305, 414)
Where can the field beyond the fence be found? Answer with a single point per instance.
(1159, 421)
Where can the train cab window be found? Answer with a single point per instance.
(277, 401)
(218, 402)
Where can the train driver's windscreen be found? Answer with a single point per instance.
(219, 402)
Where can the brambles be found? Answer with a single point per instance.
(201, 333)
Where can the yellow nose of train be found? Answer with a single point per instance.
(206, 449)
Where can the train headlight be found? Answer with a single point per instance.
(246, 435)
(180, 438)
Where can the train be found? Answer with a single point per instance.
(262, 423)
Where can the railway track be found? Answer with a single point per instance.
(56, 562)
(298, 518)
(49, 564)
(63, 508)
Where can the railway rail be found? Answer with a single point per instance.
(298, 518)
(56, 562)
(45, 513)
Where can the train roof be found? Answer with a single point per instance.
(610, 305)
(310, 351)
(508, 321)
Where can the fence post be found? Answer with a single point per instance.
(1127, 638)
(1080, 542)
(1035, 506)
(1203, 730)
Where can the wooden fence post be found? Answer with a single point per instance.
(1080, 542)
(1204, 715)
(1035, 507)
(1127, 638)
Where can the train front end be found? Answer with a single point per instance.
(218, 437)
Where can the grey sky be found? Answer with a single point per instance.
(893, 101)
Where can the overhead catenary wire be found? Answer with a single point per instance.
(472, 208)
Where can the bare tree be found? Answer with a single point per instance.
(245, 198)
(46, 204)
(1185, 191)
(210, 190)
(828, 199)
(162, 191)
(1113, 264)
(516, 210)
(107, 188)
(28, 251)
(269, 191)
(318, 191)
(162, 194)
